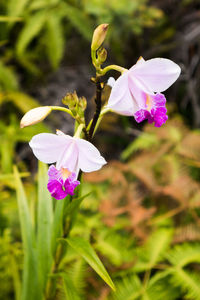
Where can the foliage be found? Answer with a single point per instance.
(160, 259)
(41, 27)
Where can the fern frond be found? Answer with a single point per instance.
(182, 255)
(188, 282)
(154, 250)
(128, 288)
(159, 287)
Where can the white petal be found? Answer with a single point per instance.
(111, 81)
(120, 99)
(155, 75)
(69, 157)
(90, 158)
(49, 147)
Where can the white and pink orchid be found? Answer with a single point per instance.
(71, 154)
(137, 92)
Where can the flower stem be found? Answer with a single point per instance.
(98, 108)
(50, 291)
(62, 109)
(111, 67)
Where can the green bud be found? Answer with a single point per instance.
(71, 100)
(99, 36)
(83, 103)
(102, 55)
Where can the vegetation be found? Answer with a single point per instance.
(139, 217)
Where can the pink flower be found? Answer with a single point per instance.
(70, 154)
(137, 92)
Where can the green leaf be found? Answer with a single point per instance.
(10, 19)
(31, 29)
(182, 255)
(69, 288)
(159, 287)
(154, 250)
(21, 100)
(8, 79)
(83, 248)
(188, 281)
(16, 8)
(144, 141)
(57, 227)
(128, 288)
(79, 20)
(30, 287)
(44, 225)
(54, 39)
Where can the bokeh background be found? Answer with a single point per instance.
(143, 215)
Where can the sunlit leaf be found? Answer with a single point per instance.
(44, 225)
(83, 248)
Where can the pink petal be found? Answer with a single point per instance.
(120, 99)
(155, 75)
(90, 158)
(49, 147)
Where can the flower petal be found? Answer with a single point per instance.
(120, 99)
(49, 147)
(69, 157)
(90, 158)
(56, 189)
(155, 75)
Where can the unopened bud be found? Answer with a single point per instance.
(71, 100)
(99, 36)
(102, 55)
(35, 115)
(83, 103)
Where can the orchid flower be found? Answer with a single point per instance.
(70, 154)
(137, 92)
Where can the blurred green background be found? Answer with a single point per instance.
(143, 215)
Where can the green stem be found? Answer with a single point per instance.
(103, 112)
(62, 109)
(94, 60)
(98, 108)
(51, 283)
(79, 130)
(111, 67)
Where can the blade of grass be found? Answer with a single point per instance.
(83, 248)
(30, 285)
(44, 225)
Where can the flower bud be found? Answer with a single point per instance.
(102, 55)
(99, 36)
(83, 103)
(71, 100)
(35, 115)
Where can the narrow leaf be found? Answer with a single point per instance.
(55, 39)
(30, 31)
(83, 248)
(45, 215)
(30, 285)
(78, 19)
(69, 288)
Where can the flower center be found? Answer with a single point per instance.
(65, 173)
(148, 102)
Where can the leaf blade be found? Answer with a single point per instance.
(83, 248)
(45, 215)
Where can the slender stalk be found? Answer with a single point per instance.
(62, 109)
(98, 108)
(51, 287)
(111, 67)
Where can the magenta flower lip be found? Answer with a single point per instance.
(61, 182)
